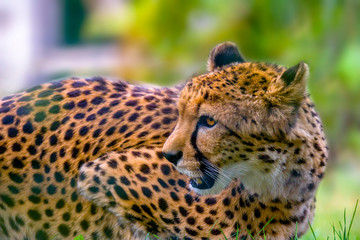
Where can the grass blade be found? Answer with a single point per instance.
(312, 230)
(352, 219)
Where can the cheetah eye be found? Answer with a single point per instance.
(207, 121)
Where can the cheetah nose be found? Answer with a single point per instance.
(173, 157)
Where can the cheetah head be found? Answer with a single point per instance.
(236, 121)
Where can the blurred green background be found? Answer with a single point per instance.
(165, 42)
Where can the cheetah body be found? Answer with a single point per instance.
(84, 156)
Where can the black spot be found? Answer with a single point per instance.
(191, 220)
(97, 100)
(165, 169)
(51, 189)
(183, 211)
(2, 149)
(156, 125)
(68, 134)
(57, 98)
(53, 140)
(47, 93)
(209, 221)
(65, 119)
(16, 147)
(69, 105)
(83, 131)
(118, 114)
(146, 191)
(13, 189)
(134, 193)
(34, 199)
(94, 189)
(54, 109)
(79, 116)
(74, 153)
(147, 120)
(210, 201)
(174, 196)
(66, 216)
(59, 176)
(66, 166)
(12, 132)
(8, 119)
(32, 150)
(114, 103)
(42, 103)
(64, 230)
(24, 110)
(266, 158)
(317, 147)
(162, 183)
(9, 201)
(215, 231)
(163, 205)
(28, 127)
(103, 110)
(41, 235)
(110, 131)
(84, 225)
(108, 232)
(17, 163)
(131, 103)
(96, 133)
(189, 199)
(25, 99)
(19, 221)
(40, 116)
(124, 180)
(82, 103)
(49, 212)
(257, 213)
(60, 204)
(34, 214)
(15, 177)
(144, 168)
(36, 190)
(123, 129)
(35, 164)
(133, 117)
(295, 173)
(91, 117)
(78, 207)
(74, 93)
(121, 192)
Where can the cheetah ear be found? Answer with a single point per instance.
(224, 54)
(291, 86)
(297, 74)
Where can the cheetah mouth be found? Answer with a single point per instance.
(207, 180)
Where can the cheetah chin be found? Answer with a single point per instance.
(209, 184)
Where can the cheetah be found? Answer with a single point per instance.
(238, 150)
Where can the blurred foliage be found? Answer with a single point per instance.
(170, 41)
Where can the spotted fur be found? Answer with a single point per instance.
(85, 156)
